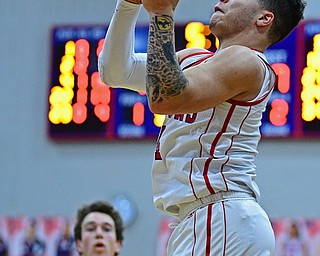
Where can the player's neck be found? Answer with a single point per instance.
(247, 42)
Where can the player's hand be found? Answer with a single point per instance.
(160, 6)
(134, 1)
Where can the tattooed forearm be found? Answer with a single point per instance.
(164, 75)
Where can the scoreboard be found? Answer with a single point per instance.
(81, 106)
(309, 101)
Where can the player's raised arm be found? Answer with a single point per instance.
(164, 75)
(118, 64)
(171, 90)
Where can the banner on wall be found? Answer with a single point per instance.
(53, 236)
(294, 237)
(39, 236)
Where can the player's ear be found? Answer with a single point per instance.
(265, 19)
(118, 246)
(79, 247)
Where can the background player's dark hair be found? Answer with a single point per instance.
(287, 15)
(102, 207)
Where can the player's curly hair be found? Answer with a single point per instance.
(102, 207)
(287, 15)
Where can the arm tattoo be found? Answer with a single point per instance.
(164, 75)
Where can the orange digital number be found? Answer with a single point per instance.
(100, 97)
(279, 111)
(81, 69)
(280, 107)
(138, 113)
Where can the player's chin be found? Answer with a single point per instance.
(100, 250)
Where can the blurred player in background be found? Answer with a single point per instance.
(203, 171)
(33, 245)
(98, 230)
(66, 244)
(294, 243)
(3, 247)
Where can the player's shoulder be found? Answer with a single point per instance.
(241, 59)
(239, 52)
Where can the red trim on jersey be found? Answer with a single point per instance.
(202, 60)
(197, 62)
(226, 153)
(222, 175)
(195, 54)
(205, 131)
(157, 154)
(205, 175)
(208, 242)
(213, 146)
(207, 181)
(252, 103)
(254, 49)
(223, 130)
(190, 179)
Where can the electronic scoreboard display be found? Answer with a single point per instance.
(81, 106)
(308, 121)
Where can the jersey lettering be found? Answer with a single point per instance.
(188, 118)
(179, 117)
(157, 154)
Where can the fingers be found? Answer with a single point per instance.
(160, 6)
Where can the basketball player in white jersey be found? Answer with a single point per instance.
(203, 172)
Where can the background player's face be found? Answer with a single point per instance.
(98, 235)
(232, 17)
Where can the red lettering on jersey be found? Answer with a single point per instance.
(188, 118)
(157, 154)
(191, 118)
(179, 117)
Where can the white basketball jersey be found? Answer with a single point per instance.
(202, 153)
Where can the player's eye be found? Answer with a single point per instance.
(90, 228)
(107, 228)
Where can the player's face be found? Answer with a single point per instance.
(98, 236)
(232, 17)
